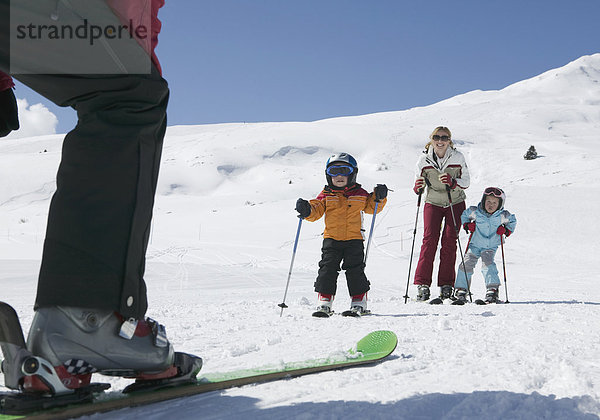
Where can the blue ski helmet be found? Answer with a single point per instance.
(342, 158)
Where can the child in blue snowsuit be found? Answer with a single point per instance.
(486, 223)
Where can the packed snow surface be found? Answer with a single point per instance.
(224, 230)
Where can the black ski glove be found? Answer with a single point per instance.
(380, 191)
(303, 207)
(9, 117)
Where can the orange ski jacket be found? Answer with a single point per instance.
(343, 210)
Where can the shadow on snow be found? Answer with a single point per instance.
(554, 302)
(487, 405)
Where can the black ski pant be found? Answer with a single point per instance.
(99, 217)
(353, 255)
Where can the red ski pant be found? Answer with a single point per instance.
(433, 217)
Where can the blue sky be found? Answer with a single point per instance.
(285, 60)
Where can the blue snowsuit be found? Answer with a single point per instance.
(484, 243)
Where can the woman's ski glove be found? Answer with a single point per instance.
(9, 117)
(503, 230)
(419, 185)
(469, 227)
(303, 207)
(448, 180)
(380, 191)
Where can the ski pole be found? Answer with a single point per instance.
(282, 305)
(371, 232)
(462, 257)
(469, 243)
(464, 268)
(504, 268)
(412, 248)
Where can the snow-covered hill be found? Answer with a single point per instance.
(223, 234)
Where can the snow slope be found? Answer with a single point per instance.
(223, 235)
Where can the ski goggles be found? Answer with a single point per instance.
(496, 192)
(337, 170)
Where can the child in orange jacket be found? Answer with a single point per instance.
(343, 202)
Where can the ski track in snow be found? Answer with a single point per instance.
(222, 241)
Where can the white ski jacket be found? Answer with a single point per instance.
(431, 167)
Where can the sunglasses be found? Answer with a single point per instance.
(442, 138)
(496, 192)
(343, 170)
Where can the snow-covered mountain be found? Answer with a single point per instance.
(223, 234)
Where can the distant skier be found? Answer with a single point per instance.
(343, 202)
(91, 295)
(441, 168)
(486, 222)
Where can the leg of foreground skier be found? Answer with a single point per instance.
(91, 297)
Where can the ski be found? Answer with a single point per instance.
(372, 348)
(483, 302)
(322, 314)
(476, 302)
(17, 403)
(440, 301)
(356, 314)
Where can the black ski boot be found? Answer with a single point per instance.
(491, 296)
(461, 297)
(423, 292)
(445, 293)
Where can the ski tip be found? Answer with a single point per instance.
(377, 344)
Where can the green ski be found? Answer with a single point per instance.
(372, 348)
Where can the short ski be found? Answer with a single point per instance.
(483, 302)
(355, 314)
(372, 348)
(476, 302)
(322, 314)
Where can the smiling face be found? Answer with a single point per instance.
(339, 181)
(441, 142)
(491, 204)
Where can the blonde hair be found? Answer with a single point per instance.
(437, 130)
